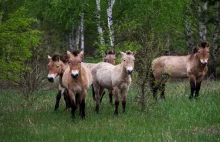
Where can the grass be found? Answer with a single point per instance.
(174, 119)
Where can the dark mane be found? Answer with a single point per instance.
(75, 52)
(128, 52)
(110, 52)
(204, 44)
(64, 58)
(55, 57)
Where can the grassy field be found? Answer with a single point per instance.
(174, 119)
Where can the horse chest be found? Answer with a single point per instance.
(77, 88)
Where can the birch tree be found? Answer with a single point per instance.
(202, 10)
(215, 36)
(110, 21)
(102, 41)
(82, 31)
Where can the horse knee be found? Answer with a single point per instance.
(58, 97)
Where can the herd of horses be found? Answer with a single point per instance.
(77, 76)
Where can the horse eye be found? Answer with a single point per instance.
(124, 60)
(57, 66)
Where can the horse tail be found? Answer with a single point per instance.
(152, 80)
(93, 93)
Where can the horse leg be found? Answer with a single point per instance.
(198, 84)
(162, 95)
(66, 98)
(82, 104)
(116, 91)
(110, 96)
(73, 104)
(97, 96)
(102, 94)
(58, 97)
(124, 98)
(193, 87)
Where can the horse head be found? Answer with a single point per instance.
(202, 53)
(110, 57)
(127, 61)
(75, 59)
(54, 68)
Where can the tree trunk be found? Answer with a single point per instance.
(82, 32)
(215, 37)
(102, 41)
(188, 36)
(110, 21)
(203, 21)
(77, 37)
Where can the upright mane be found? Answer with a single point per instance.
(55, 57)
(204, 44)
(110, 52)
(75, 52)
(58, 57)
(129, 52)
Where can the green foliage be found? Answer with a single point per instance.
(17, 37)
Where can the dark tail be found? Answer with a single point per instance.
(93, 93)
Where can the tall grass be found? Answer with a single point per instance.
(174, 119)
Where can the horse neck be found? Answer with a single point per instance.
(64, 66)
(122, 71)
(197, 63)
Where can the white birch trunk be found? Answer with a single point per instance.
(216, 31)
(102, 41)
(202, 23)
(188, 35)
(82, 32)
(77, 37)
(215, 37)
(110, 21)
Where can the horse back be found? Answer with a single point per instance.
(102, 74)
(174, 66)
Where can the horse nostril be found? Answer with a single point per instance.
(50, 79)
(129, 71)
(204, 63)
(75, 75)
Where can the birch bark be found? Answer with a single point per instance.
(110, 21)
(102, 41)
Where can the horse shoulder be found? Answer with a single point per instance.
(65, 78)
(87, 76)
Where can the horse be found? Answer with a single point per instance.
(78, 78)
(109, 57)
(116, 78)
(56, 67)
(192, 66)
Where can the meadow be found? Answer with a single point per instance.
(174, 119)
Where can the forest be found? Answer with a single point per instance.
(31, 107)
(31, 30)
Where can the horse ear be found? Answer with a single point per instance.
(195, 49)
(68, 54)
(48, 56)
(81, 54)
(122, 53)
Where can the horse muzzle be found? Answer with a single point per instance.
(74, 75)
(204, 63)
(129, 71)
(50, 79)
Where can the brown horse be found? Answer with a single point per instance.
(56, 67)
(110, 57)
(116, 78)
(78, 79)
(193, 66)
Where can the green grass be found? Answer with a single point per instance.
(174, 119)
